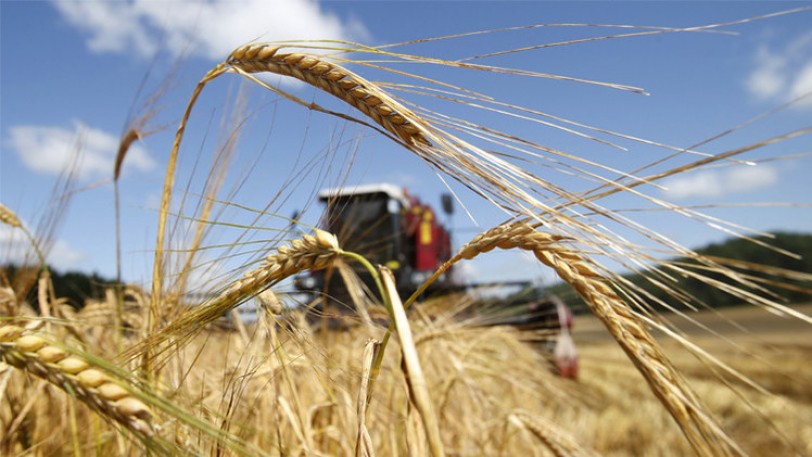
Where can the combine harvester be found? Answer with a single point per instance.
(390, 227)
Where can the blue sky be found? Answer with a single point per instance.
(70, 74)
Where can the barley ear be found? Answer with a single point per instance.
(127, 140)
(706, 437)
(270, 302)
(8, 217)
(312, 252)
(336, 80)
(99, 390)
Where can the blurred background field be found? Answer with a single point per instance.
(773, 351)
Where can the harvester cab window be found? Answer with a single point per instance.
(364, 224)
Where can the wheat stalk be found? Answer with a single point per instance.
(99, 390)
(363, 442)
(663, 378)
(558, 441)
(309, 253)
(412, 370)
(356, 91)
(334, 79)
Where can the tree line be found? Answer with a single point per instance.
(75, 286)
(794, 289)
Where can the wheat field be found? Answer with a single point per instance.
(167, 368)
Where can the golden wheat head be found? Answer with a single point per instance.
(334, 79)
(8, 217)
(100, 391)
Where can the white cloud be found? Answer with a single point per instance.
(210, 29)
(16, 248)
(64, 257)
(803, 83)
(51, 150)
(768, 79)
(719, 183)
(784, 74)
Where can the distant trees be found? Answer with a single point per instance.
(77, 287)
(745, 255)
(74, 286)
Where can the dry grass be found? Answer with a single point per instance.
(76, 375)
(292, 391)
(627, 420)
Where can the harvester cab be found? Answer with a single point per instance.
(387, 226)
(390, 227)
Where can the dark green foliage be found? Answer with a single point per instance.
(74, 286)
(705, 292)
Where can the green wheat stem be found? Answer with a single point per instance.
(376, 367)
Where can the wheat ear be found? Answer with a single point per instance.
(309, 253)
(99, 390)
(8, 217)
(664, 380)
(558, 441)
(334, 79)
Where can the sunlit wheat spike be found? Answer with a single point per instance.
(127, 140)
(8, 217)
(270, 302)
(664, 379)
(309, 253)
(99, 390)
(334, 79)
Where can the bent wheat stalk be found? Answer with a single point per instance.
(412, 371)
(100, 391)
(334, 79)
(309, 253)
(486, 174)
(338, 81)
(706, 437)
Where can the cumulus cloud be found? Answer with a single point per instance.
(803, 83)
(783, 74)
(16, 248)
(719, 183)
(210, 29)
(50, 150)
